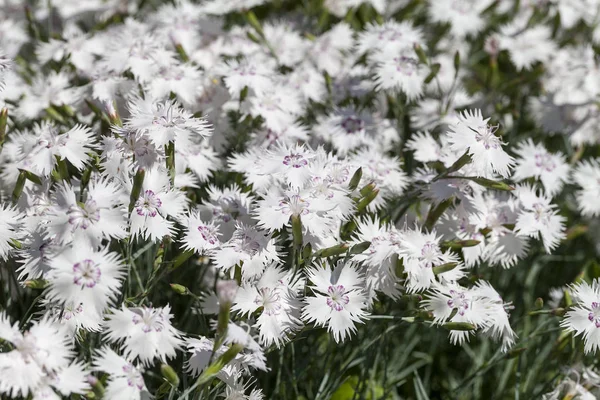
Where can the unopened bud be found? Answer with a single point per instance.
(180, 289)
(539, 303)
(36, 283)
(226, 291)
(170, 375)
(113, 114)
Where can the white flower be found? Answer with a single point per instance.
(251, 357)
(253, 75)
(9, 228)
(480, 306)
(249, 247)
(274, 212)
(471, 133)
(584, 317)
(535, 161)
(5, 66)
(527, 46)
(125, 381)
(199, 235)
(156, 203)
(144, 332)
(587, 176)
(74, 146)
(36, 255)
(276, 295)
(165, 122)
(346, 129)
(91, 279)
(279, 106)
(328, 49)
(309, 83)
(289, 164)
(41, 352)
(539, 217)
(400, 72)
(498, 324)
(389, 38)
(46, 90)
(462, 15)
(384, 171)
(100, 214)
(339, 301)
(426, 148)
(421, 252)
(227, 207)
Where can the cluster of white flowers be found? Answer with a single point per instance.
(274, 157)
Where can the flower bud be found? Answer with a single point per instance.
(170, 375)
(226, 291)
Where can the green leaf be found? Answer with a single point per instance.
(332, 251)
(440, 269)
(459, 326)
(421, 54)
(435, 68)
(355, 180)
(213, 369)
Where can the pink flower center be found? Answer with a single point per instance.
(295, 160)
(458, 300)
(337, 297)
(148, 204)
(486, 136)
(83, 215)
(134, 378)
(352, 125)
(545, 162)
(208, 233)
(406, 65)
(594, 315)
(86, 273)
(150, 320)
(294, 205)
(430, 254)
(269, 299)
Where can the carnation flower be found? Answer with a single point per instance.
(250, 248)
(274, 212)
(338, 302)
(535, 161)
(539, 217)
(420, 252)
(156, 203)
(462, 15)
(45, 350)
(275, 294)
(227, 207)
(389, 38)
(199, 235)
(480, 306)
(253, 75)
(164, 122)
(36, 255)
(125, 381)
(587, 176)
(144, 332)
(472, 134)
(100, 214)
(91, 279)
(52, 89)
(403, 72)
(9, 227)
(584, 317)
(52, 145)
